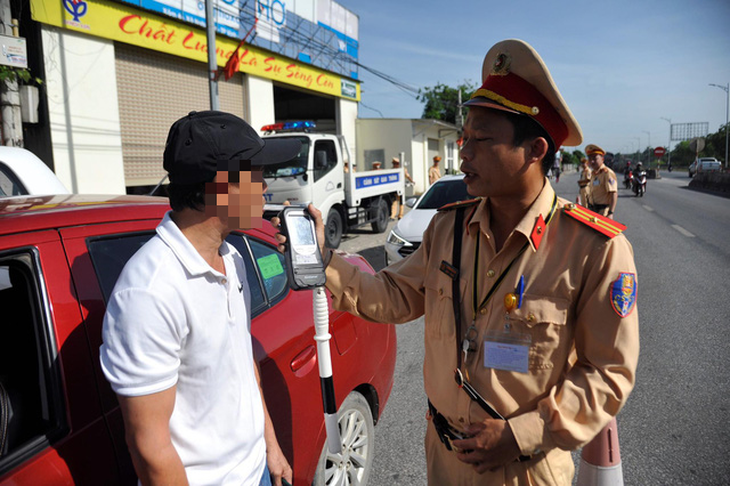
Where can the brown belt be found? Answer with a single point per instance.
(584, 184)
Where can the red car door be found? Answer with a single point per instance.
(56, 433)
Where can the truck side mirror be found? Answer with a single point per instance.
(320, 160)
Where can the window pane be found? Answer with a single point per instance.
(272, 266)
(257, 295)
(109, 255)
(26, 410)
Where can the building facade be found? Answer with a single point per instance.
(417, 141)
(117, 74)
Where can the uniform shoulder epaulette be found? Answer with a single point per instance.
(460, 204)
(602, 224)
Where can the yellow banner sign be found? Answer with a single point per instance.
(126, 24)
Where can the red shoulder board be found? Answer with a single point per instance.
(602, 224)
(460, 204)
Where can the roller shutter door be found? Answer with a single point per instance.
(155, 89)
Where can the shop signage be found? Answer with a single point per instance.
(124, 24)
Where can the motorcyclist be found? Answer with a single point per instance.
(627, 176)
(638, 173)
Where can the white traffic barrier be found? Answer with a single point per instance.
(600, 460)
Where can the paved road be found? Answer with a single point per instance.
(674, 428)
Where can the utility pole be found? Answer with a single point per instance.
(212, 62)
(669, 142)
(12, 123)
(727, 109)
(648, 156)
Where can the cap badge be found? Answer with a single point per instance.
(502, 64)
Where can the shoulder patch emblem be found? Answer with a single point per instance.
(623, 294)
(602, 224)
(460, 204)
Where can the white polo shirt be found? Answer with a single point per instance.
(173, 320)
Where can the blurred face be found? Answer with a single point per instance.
(491, 163)
(596, 161)
(236, 198)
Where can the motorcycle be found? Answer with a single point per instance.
(639, 183)
(628, 179)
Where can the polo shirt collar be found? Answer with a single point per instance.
(189, 257)
(542, 206)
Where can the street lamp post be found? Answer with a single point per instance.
(648, 156)
(638, 148)
(727, 109)
(669, 142)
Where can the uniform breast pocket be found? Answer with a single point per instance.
(544, 320)
(439, 303)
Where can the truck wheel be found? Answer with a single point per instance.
(333, 229)
(357, 433)
(382, 214)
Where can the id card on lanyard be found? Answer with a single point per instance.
(507, 351)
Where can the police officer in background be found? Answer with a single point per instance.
(434, 173)
(584, 182)
(531, 332)
(397, 208)
(604, 188)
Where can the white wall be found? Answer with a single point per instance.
(346, 113)
(84, 113)
(259, 94)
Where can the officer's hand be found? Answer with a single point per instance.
(492, 445)
(318, 225)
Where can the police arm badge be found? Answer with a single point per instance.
(623, 294)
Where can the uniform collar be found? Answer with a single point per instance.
(189, 257)
(541, 207)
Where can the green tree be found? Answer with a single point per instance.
(441, 101)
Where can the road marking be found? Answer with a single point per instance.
(648, 208)
(683, 231)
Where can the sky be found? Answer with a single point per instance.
(620, 65)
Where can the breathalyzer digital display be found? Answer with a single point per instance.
(304, 264)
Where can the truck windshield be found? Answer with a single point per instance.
(293, 167)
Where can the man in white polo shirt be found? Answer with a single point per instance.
(177, 332)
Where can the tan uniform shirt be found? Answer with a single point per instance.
(603, 183)
(434, 174)
(567, 313)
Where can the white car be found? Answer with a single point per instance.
(406, 235)
(704, 164)
(22, 173)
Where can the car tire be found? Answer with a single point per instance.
(382, 215)
(357, 433)
(333, 229)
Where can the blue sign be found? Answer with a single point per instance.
(376, 180)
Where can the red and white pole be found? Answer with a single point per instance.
(600, 461)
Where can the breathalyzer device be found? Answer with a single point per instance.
(304, 264)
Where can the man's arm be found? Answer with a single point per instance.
(278, 465)
(147, 429)
(612, 204)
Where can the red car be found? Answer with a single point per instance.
(59, 419)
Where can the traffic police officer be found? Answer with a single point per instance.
(604, 189)
(531, 330)
(584, 182)
(434, 173)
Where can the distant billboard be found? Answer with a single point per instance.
(318, 32)
(687, 131)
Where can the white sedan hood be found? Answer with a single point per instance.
(414, 224)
